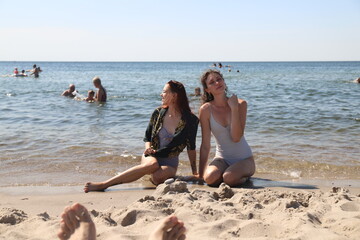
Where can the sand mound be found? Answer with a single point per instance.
(212, 213)
(12, 216)
(227, 213)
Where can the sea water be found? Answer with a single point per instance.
(303, 118)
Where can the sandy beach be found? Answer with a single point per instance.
(263, 209)
(89, 88)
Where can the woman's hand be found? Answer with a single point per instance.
(233, 102)
(192, 178)
(196, 177)
(149, 151)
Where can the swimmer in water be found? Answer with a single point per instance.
(69, 92)
(35, 71)
(31, 70)
(90, 98)
(197, 92)
(23, 74)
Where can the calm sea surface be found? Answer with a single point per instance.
(303, 118)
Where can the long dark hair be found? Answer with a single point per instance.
(182, 102)
(207, 97)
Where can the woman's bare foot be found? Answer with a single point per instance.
(76, 224)
(89, 187)
(169, 229)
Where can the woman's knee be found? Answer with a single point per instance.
(151, 166)
(235, 179)
(213, 177)
(161, 175)
(232, 179)
(157, 178)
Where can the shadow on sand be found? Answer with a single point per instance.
(252, 183)
(257, 183)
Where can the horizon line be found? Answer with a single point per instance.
(153, 61)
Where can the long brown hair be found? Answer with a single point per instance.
(207, 97)
(182, 102)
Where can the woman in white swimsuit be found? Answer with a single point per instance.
(225, 118)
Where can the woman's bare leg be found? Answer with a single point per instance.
(214, 172)
(77, 224)
(239, 172)
(148, 166)
(163, 173)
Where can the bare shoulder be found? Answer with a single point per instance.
(204, 110)
(205, 107)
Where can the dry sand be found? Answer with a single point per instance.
(293, 211)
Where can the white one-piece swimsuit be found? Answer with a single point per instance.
(227, 149)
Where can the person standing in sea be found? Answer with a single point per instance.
(35, 72)
(100, 95)
(225, 118)
(172, 127)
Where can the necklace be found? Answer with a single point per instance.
(172, 115)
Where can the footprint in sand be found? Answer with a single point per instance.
(129, 219)
(44, 216)
(103, 217)
(350, 207)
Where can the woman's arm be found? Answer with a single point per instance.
(204, 115)
(192, 158)
(238, 117)
(193, 122)
(148, 132)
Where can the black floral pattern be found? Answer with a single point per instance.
(185, 133)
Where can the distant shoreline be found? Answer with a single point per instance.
(292, 61)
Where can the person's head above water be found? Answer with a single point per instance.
(91, 93)
(97, 81)
(72, 87)
(197, 91)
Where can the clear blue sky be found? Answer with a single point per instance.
(172, 30)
